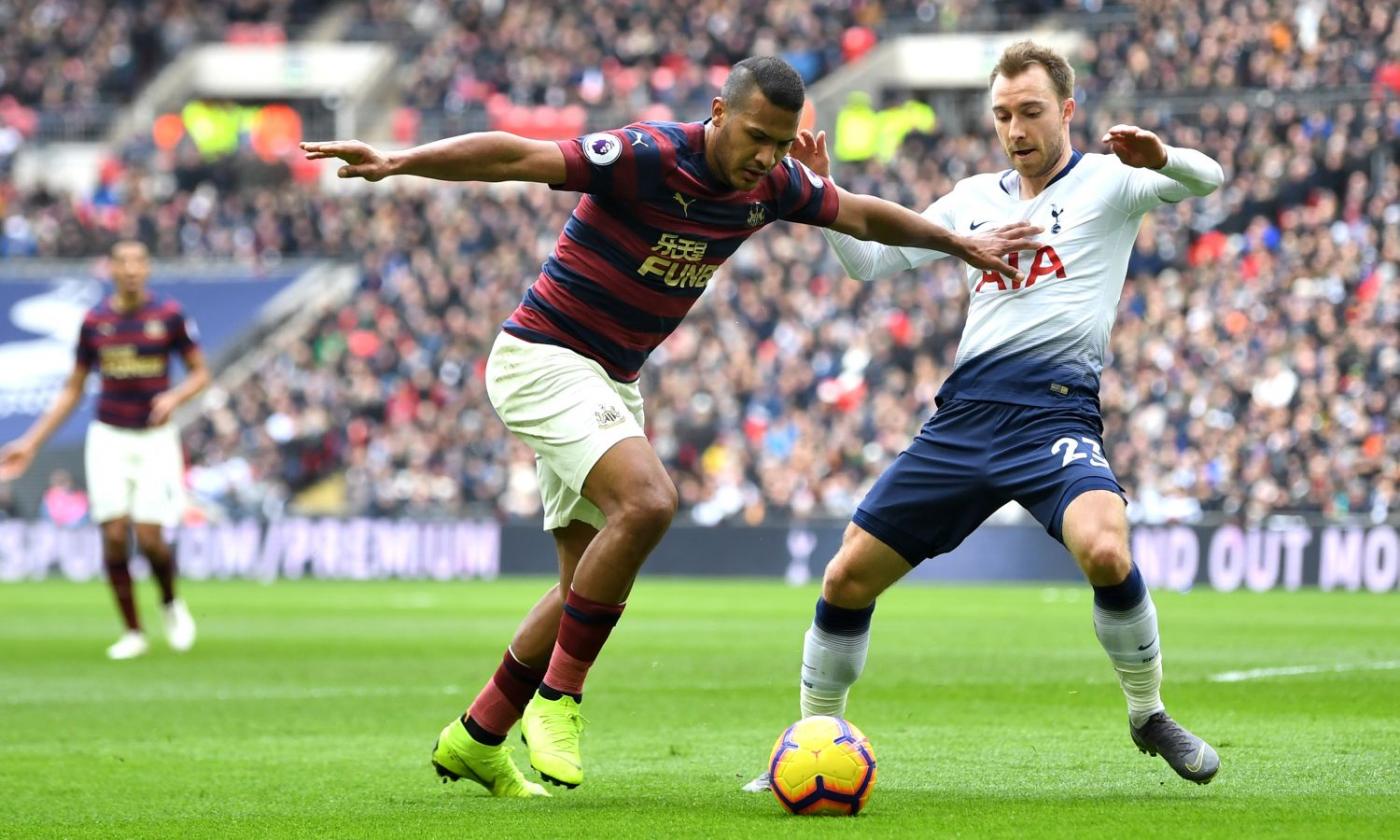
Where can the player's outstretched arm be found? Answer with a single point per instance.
(871, 260)
(480, 156)
(868, 217)
(862, 260)
(1169, 173)
(16, 456)
(862, 218)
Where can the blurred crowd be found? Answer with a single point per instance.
(655, 56)
(1254, 369)
(67, 67)
(62, 54)
(239, 208)
(1184, 46)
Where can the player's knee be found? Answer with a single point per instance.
(853, 578)
(1105, 557)
(845, 585)
(650, 507)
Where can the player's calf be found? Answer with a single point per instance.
(833, 656)
(1125, 621)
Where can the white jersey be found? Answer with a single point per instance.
(1041, 341)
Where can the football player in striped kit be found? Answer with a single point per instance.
(135, 469)
(665, 204)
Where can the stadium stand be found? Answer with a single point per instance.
(653, 58)
(1214, 45)
(67, 66)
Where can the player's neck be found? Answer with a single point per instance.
(128, 303)
(711, 162)
(1032, 187)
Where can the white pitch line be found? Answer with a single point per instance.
(1301, 670)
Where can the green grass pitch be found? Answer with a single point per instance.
(308, 709)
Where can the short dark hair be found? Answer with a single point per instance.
(128, 243)
(1021, 55)
(779, 83)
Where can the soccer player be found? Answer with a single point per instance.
(133, 460)
(666, 204)
(1018, 418)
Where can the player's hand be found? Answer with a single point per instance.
(362, 159)
(812, 151)
(1136, 146)
(162, 407)
(988, 251)
(15, 458)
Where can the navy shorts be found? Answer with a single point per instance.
(971, 458)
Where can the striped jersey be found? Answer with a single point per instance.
(652, 228)
(130, 351)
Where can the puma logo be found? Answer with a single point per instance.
(685, 205)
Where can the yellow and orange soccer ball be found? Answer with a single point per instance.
(822, 765)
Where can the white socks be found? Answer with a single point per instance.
(831, 663)
(1130, 639)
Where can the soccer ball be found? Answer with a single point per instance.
(822, 765)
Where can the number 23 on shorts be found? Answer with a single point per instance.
(1070, 447)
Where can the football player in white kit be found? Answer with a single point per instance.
(1018, 418)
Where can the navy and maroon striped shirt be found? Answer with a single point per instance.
(131, 352)
(643, 243)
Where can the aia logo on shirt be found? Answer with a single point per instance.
(1045, 263)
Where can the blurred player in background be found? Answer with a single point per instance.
(133, 460)
(1018, 418)
(666, 205)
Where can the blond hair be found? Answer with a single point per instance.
(1016, 58)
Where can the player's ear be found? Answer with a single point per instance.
(1069, 108)
(717, 112)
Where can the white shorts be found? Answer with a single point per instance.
(136, 473)
(569, 411)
